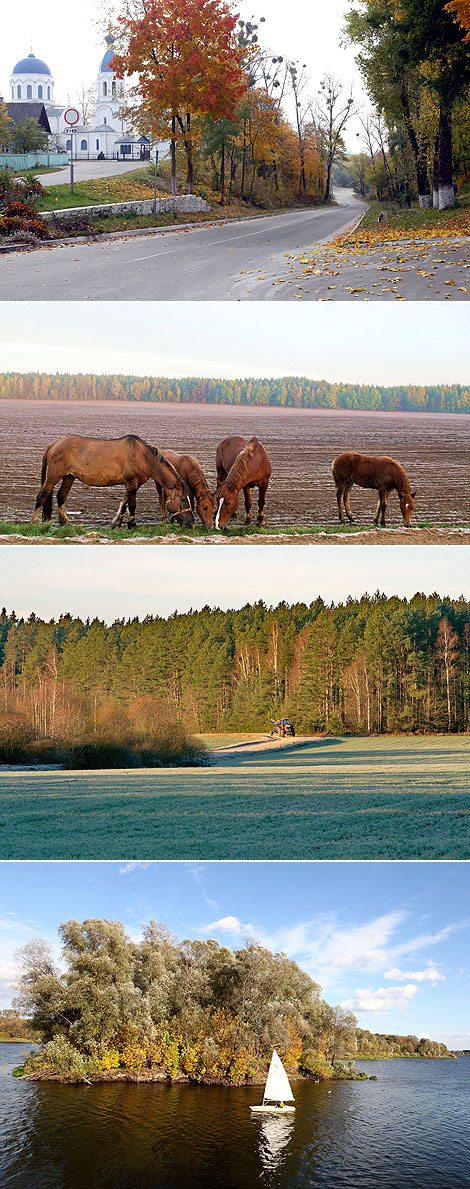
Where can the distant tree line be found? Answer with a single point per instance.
(375, 1044)
(14, 1027)
(290, 392)
(375, 665)
(193, 1007)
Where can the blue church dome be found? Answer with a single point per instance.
(106, 62)
(31, 65)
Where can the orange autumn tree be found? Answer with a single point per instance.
(188, 62)
(460, 11)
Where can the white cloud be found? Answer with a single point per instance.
(424, 940)
(8, 975)
(429, 974)
(381, 1000)
(226, 925)
(329, 951)
(139, 865)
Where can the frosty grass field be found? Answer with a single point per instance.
(380, 798)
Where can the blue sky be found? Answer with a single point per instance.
(416, 343)
(115, 582)
(313, 31)
(391, 940)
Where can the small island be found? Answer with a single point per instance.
(162, 1010)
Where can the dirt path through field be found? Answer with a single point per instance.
(264, 743)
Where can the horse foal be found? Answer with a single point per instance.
(380, 474)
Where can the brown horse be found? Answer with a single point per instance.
(199, 494)
(382, 474)
(101, 463)
(240, 465)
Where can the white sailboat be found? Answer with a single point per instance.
(277, 1091)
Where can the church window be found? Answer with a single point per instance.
(18, 92)
(114, 89)
(68, 145)
(83, 145)
(39, 91)
(105, 88)
(48, 92)
(98, 144)
(29, 92)
(105, 120)
(13, 92)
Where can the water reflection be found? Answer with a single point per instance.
(274, 1134)
(406, 1131)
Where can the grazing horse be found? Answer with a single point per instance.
(98, 462)
(240, 464)
(199, 494)
(382, 474)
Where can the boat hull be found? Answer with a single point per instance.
(273, 1110)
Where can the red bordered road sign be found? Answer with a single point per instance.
(71, 116)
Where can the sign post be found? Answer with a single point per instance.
(155, 186)
(71, 117)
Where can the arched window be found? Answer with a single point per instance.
(48, 92)
(18, 92)
(105, 120)
(39, 91)
(105, 88)
(29, 92)
(114, 88)
(83, 145)
(98, 145)
(13, 92)
(68, 145)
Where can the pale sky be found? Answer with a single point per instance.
(70, 41)
(415, 343)
(124, 581)
(389, 940)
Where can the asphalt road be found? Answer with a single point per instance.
(85, 171)
(433, 270)
(199, 264)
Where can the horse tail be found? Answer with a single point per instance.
(47, 505)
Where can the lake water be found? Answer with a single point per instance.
(408, 1130)
(302, 443)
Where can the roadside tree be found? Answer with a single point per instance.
(188, 61)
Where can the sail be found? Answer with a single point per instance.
(277, 1085)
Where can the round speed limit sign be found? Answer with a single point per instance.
(71, 116)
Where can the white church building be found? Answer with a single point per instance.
(107, 135)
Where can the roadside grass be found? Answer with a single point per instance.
(53, 531)
(105, 224)
(349, 798)
(38, 169)
(124, 187)
(412, 224)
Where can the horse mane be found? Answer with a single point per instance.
(160, 458)
(196, 477)
(238, 471)
(404, 488)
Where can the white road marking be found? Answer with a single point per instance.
(210, 244)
